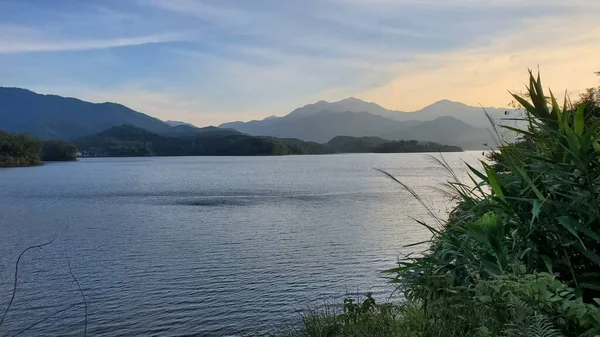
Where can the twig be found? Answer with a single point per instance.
(16, 277)
(84, 301)
(47, 318)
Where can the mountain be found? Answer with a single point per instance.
(475, 116)
(447, 130)
(445, 122)
(56, 117)
(185, 130)
(350, 104)
(131, 141)
(322, 126)
(179, 123)
(468, 114)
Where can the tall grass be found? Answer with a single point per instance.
(519, 255)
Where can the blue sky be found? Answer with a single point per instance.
(213, 61)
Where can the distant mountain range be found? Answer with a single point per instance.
(444, 108)
(56, 117)
(179, 123)
(445, 122)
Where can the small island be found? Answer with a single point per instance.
(21, 150)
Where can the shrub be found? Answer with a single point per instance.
(519, 255)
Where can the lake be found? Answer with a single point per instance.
(207, 246)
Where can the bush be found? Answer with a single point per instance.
(519, 254)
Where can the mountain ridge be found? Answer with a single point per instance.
(444, 107)
(127, 140)
(50, 116)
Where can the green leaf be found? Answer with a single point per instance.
(491, 267)
(590, 255)
(568, 223)
(494, 180)
(578, 121)
(540, 92)
(548, 263)
(517, 130)
(565, 112)
(593, 286)
(535, 190)
(477, 172)
(573, 141)
(530, 108)
(556, 113)
(537, 207)
(485, 298)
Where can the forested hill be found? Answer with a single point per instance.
(22, 150)
(56, 117)
(127, 140)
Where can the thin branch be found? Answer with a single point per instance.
(416, 196)
(84, 301)
(16, 277)
(47, 318)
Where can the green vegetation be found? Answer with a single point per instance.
(347, 144)
(519, 254)
(131, 141)
(414, 146)
(19, 150)
(58, 150)
(22, 150)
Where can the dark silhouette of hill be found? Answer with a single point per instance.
(131, 141)
(56, 117)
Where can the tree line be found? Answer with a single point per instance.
(23, 150)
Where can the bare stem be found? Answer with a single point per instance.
(16, 277)
(84, 301)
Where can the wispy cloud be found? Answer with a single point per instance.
(17, 40)
(250, 59)
(563, 49)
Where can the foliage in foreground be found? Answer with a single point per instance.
(519, 254)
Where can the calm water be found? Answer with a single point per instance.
(208, 246)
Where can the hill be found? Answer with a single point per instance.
(131, 141)
(448, 130)
(325, 125)
(444, 122)
(56, 117)
(22, 150)
(322, 126)
(63, 118)
(346, 144)
(179, 123)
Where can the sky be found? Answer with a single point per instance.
(214, 61)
